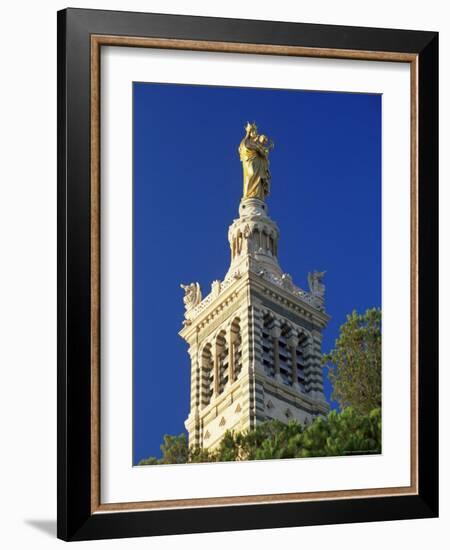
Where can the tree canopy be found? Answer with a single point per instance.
(355, 362)
(344, 433)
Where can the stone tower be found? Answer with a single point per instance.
(255, 339)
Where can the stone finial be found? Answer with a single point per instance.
(286, 282)
(216, 287)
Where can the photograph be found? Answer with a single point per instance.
(257, 320)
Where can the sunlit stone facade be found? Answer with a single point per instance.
(255, 339)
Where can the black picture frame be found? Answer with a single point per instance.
(75, 518)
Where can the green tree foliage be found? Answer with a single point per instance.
(345, 433)
(355, 362)
(175, 449)
(150, 461)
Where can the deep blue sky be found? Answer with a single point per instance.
(326, 199)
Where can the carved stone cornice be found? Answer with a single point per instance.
(214, 307)
(287, 300)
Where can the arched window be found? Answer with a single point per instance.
(255, 239)
(271, 245)
(265, 239)
(239, 243)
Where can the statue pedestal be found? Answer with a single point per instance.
(253, 207)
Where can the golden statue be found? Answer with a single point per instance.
(254, 154)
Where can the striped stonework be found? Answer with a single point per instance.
(254, 341)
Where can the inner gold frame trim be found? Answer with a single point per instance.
(97, 41)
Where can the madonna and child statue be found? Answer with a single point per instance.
(254, 152)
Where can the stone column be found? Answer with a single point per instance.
(194, 431)
(206, 366)
(259, 238)
(195, 375)
(216, 370)
(313, 372)
(276, 333)
(231, 356)
(293, 343)
(308, 357)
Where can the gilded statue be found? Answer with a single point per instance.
(254, 152)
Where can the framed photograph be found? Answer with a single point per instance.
(247, 256)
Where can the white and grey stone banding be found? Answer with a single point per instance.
(254, 341)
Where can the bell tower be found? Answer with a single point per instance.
(255, 339)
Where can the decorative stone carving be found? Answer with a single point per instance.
(316, 286)
(215, 288)
(192, 296)
(203, 304)
(286, 282)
